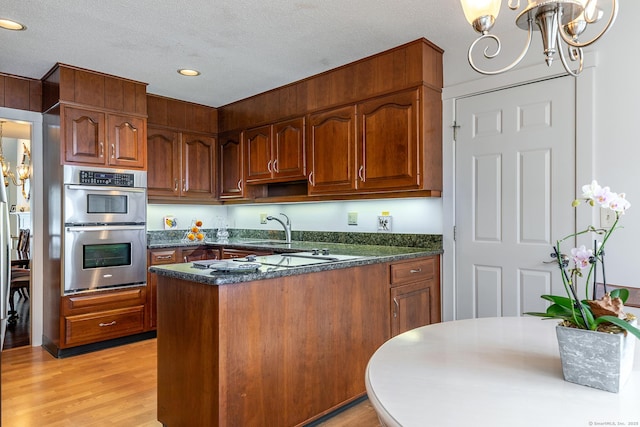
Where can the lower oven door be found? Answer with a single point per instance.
(104, 256)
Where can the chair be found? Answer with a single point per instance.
(20, 273)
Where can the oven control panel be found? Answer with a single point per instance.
(112, 179)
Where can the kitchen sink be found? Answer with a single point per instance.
(296, 259)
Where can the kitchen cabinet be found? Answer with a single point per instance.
(373, 146)
(415, 293)
(171, 255)
(181, 164)
(98, 316)
(96, 138)
(199, 253)
(230, 166)
(275, 153)
(389, 144)
(274, 352)
(332, 151)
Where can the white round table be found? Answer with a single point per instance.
(489, 372)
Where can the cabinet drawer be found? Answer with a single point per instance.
(102, 301)
(104, 325)
(166, 256)
(411, 271)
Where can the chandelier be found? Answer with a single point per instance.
(23, 170)
(560, 22)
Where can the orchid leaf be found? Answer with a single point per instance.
(621, 293)
(619, 322)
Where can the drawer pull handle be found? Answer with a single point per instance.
(419, 270)
(107, 324)
(164, 256)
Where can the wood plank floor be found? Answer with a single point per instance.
(113, 387)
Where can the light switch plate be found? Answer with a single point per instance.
(263, 218)
(607, 218)
(352, 218)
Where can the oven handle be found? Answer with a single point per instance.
(106, 188)
(79, 228)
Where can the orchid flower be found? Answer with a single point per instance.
(581, 256)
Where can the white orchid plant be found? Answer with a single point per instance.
(603, 314)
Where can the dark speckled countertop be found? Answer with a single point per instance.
(367, 254)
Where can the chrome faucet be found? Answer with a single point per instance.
(286, 226)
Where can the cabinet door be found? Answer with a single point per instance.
(389, 145)
(127, 141)
(201, 253)
(257, 154)
(156, 257)
(198, 160)
(411, 306)
(163, 153)
(84, 136)
(288, 150)
(332, 151)
(230, 165)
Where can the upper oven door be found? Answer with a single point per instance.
(85, 204)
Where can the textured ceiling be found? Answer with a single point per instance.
(242, 47)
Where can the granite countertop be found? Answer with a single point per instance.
(367, 254)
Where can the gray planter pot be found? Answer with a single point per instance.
(596, 359)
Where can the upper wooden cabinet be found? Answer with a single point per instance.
(97, 138)
(389, 149)
(103, 117)
(386, 144)
(182, 150)
(181, 165)
(332, 143)
(230, 166)
(275, 153)
(163, 153)
(198, 166)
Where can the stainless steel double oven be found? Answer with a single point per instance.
(104, 239)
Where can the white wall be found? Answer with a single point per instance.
(413, 216)
(613, 134)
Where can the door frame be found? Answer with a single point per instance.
(37, 279)
(584, 161)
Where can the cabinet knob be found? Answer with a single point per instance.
(275, 166)
(361, 173)
(417, 270)
(396, 307)
(113, 151)
(310, 178)
(240, 184)
(107, 324)
(269, 167)
(101, 149)
(175, 185)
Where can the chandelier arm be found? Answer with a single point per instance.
(568, 40)
(578, 57)
(493, 55)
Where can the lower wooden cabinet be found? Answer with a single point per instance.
(415, 293)
(102, 315)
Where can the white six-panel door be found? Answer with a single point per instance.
(515, 180)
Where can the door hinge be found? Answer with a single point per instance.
(455, 127)
(454, 233)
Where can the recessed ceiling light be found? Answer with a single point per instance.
(8, 24)
(188, 72)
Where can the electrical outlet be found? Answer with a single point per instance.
(352, 218)
(607, 217)
(384, 223)
(263, 218)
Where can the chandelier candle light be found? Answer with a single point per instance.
(23, 170)
(559, 21)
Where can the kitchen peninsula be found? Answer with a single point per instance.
(283, 346)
